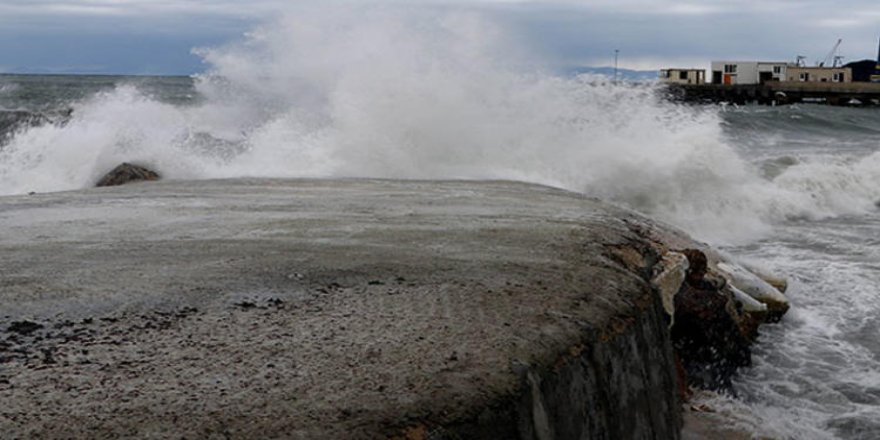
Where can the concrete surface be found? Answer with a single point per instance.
(327, 309)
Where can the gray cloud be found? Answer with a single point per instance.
(134, 7)
(649, 33)
(652, 34)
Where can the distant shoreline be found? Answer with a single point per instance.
(108, 75)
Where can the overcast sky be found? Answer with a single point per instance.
(156, 36)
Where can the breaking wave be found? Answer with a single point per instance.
(400, 93)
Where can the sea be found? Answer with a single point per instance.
(795, 189)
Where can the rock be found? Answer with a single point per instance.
(711, 335)
(715, 321)
(697, 266)
(24, 327)
(746, 302)
(777, 304)
(669, 274)
(126, 173)
(507, 317)
(707, 338)
(778, 282)
(747, 312)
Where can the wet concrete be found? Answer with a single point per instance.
(328, 309)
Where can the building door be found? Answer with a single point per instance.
(728, 79)
(716, 75)
(764, 77)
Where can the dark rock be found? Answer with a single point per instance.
(707, 338)
(126, 173)
(710, 336)
(697, 267)
(24, 327)
(48, 357)
(246, 305)
(187, 311)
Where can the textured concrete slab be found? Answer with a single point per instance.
(326, 309)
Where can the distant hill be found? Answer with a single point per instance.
(627, 74)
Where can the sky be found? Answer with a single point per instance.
(158, 36)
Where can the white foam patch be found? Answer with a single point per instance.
(815, 375)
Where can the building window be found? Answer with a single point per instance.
(837, 77)
(804, 76)
(777, 70)
(682, 75)
(730, 68)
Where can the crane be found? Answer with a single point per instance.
(831, 54)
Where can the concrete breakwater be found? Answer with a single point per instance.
(346, 309)
(772, 93)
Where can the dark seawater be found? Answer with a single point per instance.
(33, 100)
(792, 188)
(817, 374)
(48, 93)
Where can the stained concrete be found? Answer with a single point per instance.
(328, 309)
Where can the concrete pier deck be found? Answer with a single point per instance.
(327, 309)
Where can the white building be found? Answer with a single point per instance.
(747, 72)
(683, 76)
(820, 74)
(771, 71)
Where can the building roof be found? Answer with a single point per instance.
(821, 67)
(753, 61)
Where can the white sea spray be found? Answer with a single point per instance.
(399, 92)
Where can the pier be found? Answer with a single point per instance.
(779, 93)
(331, 309)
